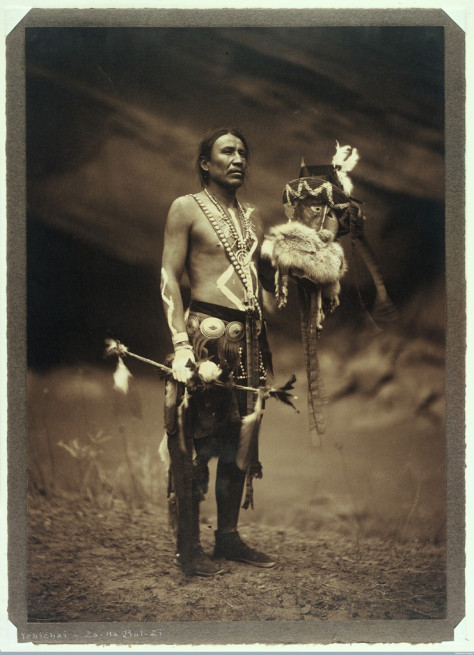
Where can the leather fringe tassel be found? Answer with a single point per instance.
(253, 472)
(248, 502)
(182, 407)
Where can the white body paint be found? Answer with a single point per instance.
(169, 302)
(221, 284)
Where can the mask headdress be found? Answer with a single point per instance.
(320, 208)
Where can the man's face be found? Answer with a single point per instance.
(228, 162)
(312, 213)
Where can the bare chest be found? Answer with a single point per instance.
(204, 238)
(214, 236)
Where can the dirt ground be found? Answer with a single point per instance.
(87, 565)
(357, 525)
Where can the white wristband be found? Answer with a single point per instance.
(186, 346)
(179, 338)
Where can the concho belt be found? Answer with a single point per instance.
(214, 328)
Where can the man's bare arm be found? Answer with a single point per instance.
(175, 250)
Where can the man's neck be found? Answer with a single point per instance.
(226, 196)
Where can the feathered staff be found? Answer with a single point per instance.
(204, 373)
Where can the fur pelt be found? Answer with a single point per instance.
(297, 249)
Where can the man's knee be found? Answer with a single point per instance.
(229, 471)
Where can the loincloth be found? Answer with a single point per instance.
(213, 415)
(218, 333)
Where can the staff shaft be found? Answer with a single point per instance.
(167, 369)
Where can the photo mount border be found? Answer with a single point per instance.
(275, 632)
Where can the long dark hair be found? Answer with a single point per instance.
(205, 148)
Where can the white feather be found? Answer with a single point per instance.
(209, 371)
(345, 160)
(346, 157)
(121, 377)
(346, 182)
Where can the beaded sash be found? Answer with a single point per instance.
(237, 263)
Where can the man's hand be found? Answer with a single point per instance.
(182, 372)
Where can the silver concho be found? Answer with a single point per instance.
(243, 257)
(192, 325)
(213, 328)
(234, 331)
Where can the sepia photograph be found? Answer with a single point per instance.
(236, 349)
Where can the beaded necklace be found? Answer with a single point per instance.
(239, 252)
(242, 242)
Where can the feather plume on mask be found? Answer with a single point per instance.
(344, 161)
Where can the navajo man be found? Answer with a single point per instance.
(217, 240)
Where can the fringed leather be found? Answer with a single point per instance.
(255, 471)
(281, 287)
(182, 408)
(248, 501)
(173, 520)
(171, 401)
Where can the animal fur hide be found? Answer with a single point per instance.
(296, 249)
